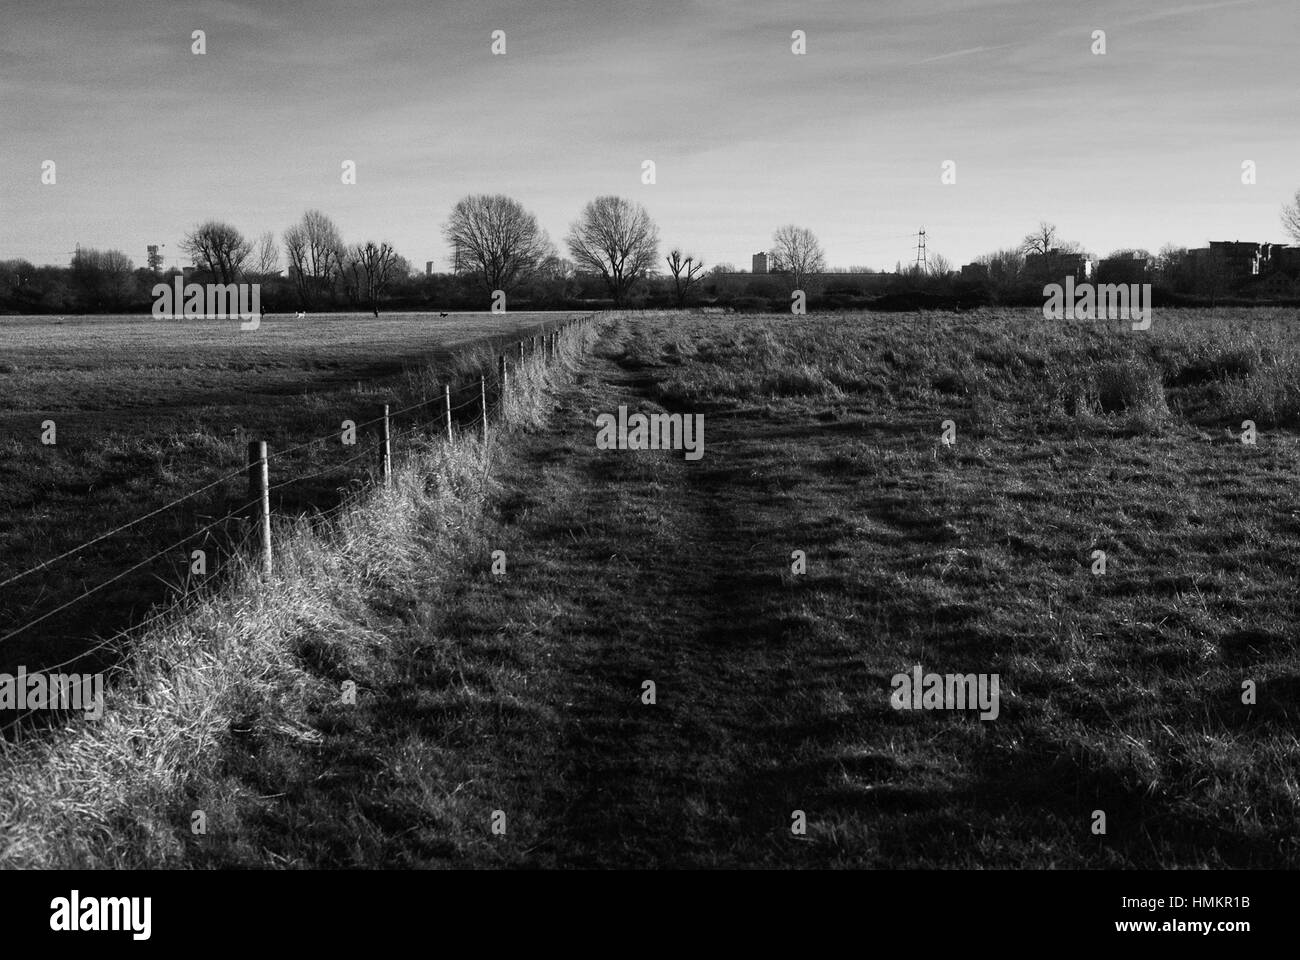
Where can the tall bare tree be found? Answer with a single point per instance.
(1041, 240)
(266, 256)
(218, 247)
(686, 272)
(617, 239)
(796, 252)
(495, 238)
(314, 248)
(1291, 218)
(373, 267)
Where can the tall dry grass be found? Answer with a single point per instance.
(261, 655)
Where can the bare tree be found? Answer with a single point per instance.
(1005, 270)
(1291, 218)
(315, 252)
(1041, 240)
(1213, 276)
(220, 248)
(372, 267)
(686, 272)
(555, 267)
(351, 277)
(102, 279)
(1008, 264)
(795, 251)
(496, 239)
(119, 283)
(402, 269)
(937, 265)
(1173, 268)
(266, 256)
(617, 239)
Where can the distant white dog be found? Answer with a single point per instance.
(300, 315)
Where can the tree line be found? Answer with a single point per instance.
(496, 244)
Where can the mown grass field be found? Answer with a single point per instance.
(147, 410)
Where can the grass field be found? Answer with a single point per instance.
(1121, 692)
(146, 411)
(522, 694)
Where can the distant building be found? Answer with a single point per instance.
(760, 263)
(1237, 259)
(1242, 258)
(773, 284)
(1131, 269)
(975, 272)
(1279, 258)
(1056, 265)
(428, 268)
(1279, 272)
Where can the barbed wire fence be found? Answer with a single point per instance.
(448, 423)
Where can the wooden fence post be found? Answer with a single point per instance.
(387, 450)
(446, 395)
(259, 495)
(502, 374)
(521, 351)
(482, 399)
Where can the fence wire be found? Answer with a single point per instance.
(432, 428)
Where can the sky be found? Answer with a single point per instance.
(1138, 147)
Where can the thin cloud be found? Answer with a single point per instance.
(1146, 18)
(962, 53)
(1199, 8)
